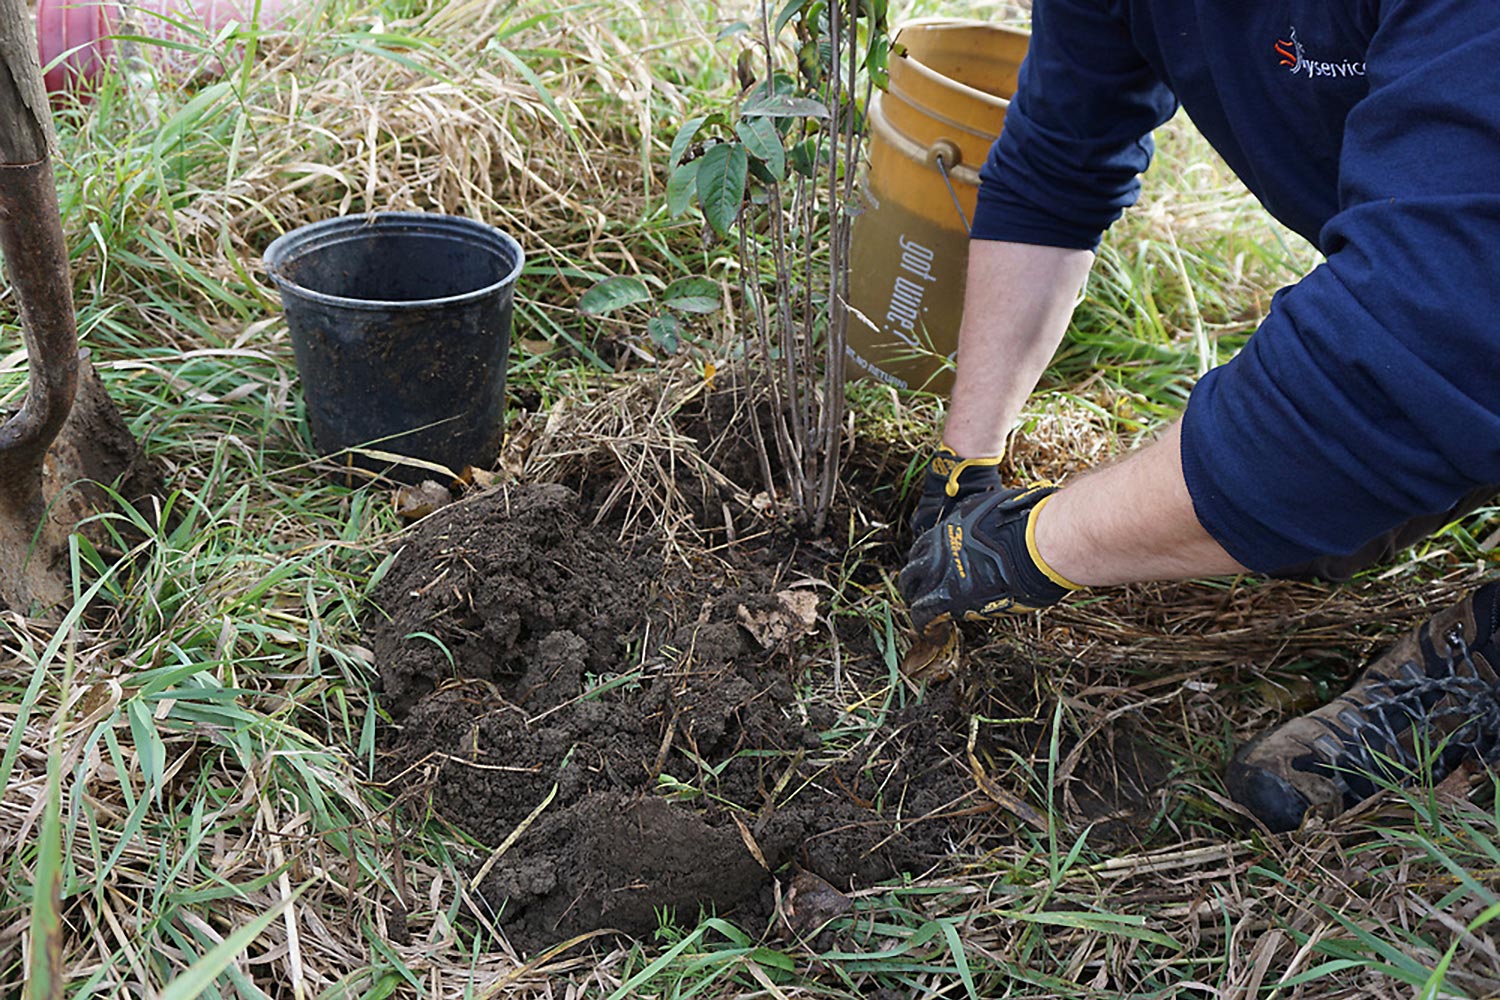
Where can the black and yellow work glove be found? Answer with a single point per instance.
(950, 479)
(980, 561)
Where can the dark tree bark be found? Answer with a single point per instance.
(36, 264)
(36, 260)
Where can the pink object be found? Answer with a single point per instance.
(76, 33)
(77, 30)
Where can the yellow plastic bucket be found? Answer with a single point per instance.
(930, 133)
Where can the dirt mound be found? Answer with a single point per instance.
(624, 739)
(510, 588)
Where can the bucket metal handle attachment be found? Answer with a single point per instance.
(943, 154)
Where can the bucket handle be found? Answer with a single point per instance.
(946, 153)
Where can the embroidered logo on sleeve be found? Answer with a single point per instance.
(1291, 54)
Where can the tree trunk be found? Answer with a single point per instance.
(36, 263)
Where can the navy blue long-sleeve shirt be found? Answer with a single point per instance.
(1371, 393)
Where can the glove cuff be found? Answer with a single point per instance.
(1030, 582)
(951, 470)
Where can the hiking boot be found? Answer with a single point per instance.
(1432, 699)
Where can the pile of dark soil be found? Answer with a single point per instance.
(614, 731)
(507, 589)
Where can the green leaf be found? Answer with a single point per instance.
(721, 184)
(792, 8)
(783, 106)
(45, 979)
(681, 187)
(693, 295)
(815, 18)
(878, 61)
(627, 988)
(631, 986)
(731, 29)
(685, 137)
(542, 93)
(956, 949)
(803, 157)
(665, 332)
(764, 143)
(759, 172)
(201, 975)
(773, 959)
(1324, 969)
(781, 84)
(150, 751)
(612, 294)
(810, 63)
(744, 68)
(1119, 924)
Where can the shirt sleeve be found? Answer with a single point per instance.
(1371, 393)
(1077, 133)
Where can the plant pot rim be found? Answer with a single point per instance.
(296, 243)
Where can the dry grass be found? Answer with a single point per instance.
(213, 734)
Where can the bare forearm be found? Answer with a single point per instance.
(1130, 522)
(1017, 305)
(1127, 522)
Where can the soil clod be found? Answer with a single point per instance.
(510, 588)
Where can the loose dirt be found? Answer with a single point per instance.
(611, 728)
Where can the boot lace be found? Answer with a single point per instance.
(1452, 713)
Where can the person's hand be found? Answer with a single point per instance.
(979, 561)
(948, 480)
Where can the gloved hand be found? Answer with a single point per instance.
(950, 479)
(980, 561)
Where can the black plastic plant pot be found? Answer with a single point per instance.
(401, 326)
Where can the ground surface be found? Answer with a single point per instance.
(197, 791)
(618, 726)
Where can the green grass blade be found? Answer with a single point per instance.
(45, 963)
(956, 949)
(202, 973)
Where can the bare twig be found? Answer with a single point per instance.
(801, 324)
